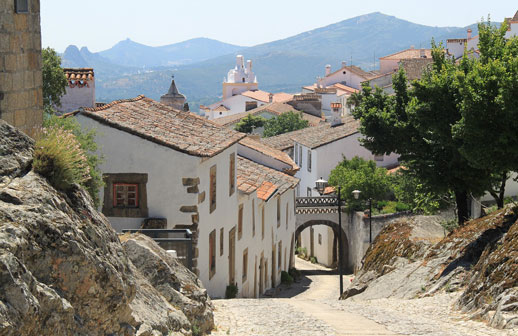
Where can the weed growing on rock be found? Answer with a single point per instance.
(59, 157)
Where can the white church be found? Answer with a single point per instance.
(241, 93)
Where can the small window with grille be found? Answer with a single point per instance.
(21, 6)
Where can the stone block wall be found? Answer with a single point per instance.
(21, 99)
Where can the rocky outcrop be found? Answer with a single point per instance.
(176, 284)
(479, 259)
(63, 270)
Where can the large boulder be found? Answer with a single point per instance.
(177, 284)
(63, 270)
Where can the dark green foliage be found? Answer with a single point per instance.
(231, 291)
(363, 175)
(313, 260)
(284, 123)
(416, 123)
(286, 278)
(89, 147)
(54, 79)
(295, 273)
(249, 123)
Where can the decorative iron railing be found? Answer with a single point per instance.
(312, 202)
(313, 211)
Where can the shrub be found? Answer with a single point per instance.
(195, 330)
(58, 157)
(400, 206)
(449, 225)
(231, 291)
(286, 278)
(313, 260)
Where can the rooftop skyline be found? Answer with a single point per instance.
(100, 24)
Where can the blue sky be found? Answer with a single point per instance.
(99, 24)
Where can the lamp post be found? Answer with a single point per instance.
(320, 186)
(356, 194)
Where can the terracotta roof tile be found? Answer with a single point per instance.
(408, 53)
(274, 108)
(265, 96)
(270, 151)
(252, 176)
(314, 137)
(166, 126)
(79, 73)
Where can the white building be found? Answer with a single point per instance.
(241, 93)
(512, 26)
(182, 170)
(80, 91)
(317, 151)
(335, 93)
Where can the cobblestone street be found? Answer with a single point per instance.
(310, 307)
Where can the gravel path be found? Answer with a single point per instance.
(311, 308)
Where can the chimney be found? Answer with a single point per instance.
(469, 33)
(328, 69)
(270, 98)
(344, 64)
(336, 118)
(422, 53)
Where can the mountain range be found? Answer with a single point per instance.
(199, 65)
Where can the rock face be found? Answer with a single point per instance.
(479, 259)
(63, 270)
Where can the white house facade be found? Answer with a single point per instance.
(80, 89)
(179, 169)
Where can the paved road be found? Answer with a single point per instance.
(299, 310)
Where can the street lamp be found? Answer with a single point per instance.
(321, 185)
(356, 194)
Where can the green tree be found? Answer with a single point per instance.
(489, 107)
(284, 123)
(88, 146)
(249, 123)
(416, 123)
(357, 173)
(54, 79)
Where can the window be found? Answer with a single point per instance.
(300, 156)
(125, 195)
(378, 157)
(319, 239)
(253, 218)
(245, 264)
(262, 222)
(212, 254)
(278, 211)
(240, 222)
(308, 192)
(21, 6)
(309, 160)
(221, 241)
(296, 154)
(279, 263)
(212, 196)
(232, 174)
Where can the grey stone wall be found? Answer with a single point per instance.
(21, 99)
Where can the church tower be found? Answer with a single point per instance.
(174, 98)
(239, 79)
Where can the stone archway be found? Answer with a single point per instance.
(335, 227)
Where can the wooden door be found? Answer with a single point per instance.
(274, 262)
(261, 272)
(232, 256)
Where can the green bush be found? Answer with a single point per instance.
(58, 157)
(195, 330)
(450, 225)
(231, 291)
(400, 206)
(313, 260)
(286, 278)
(302, 252)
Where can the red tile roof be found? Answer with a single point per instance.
(273, 108)
(271, 152)
(265, 96)
(252, 176)
(408, 53)
(166, 126)
(314, 137)
(79, 73)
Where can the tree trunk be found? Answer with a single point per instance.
(499, 194)
(461, 199)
